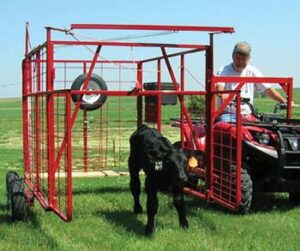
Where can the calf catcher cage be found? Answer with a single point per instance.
(78, 114)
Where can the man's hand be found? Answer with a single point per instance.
(273, 94)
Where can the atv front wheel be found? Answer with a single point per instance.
(294, 198)
(246, 189)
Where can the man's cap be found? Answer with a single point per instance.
(242, 47)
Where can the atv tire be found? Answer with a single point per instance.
(294, 198)
(93, 101)
(246, 190)
(18, 200)
(10, 177)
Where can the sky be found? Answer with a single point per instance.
(270, 26)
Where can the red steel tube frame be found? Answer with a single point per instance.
(285, 83)
(50, 122)
(152, 27)
(211, 114)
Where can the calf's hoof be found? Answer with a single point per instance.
(137, 209)
(149, 230)
(184, 224)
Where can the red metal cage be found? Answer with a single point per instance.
(60, 137)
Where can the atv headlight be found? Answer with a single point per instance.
(294, 144)
(264, 138)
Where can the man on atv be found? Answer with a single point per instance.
(240, 68)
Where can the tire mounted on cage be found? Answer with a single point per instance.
(10, 177)
(92, 101)
(18, 199)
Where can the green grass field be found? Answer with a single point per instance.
(103, 218)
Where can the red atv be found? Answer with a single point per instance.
(270, 154)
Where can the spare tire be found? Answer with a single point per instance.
(92, 101)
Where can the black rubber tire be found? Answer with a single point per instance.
(18, 200)
(10, 177)
(294, 198)
(246, 190)
(93, 101)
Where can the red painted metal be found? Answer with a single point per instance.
(69, 156)
(51, 122)
(239, 152)
(129, 44)
(209, 110)
(152, 27)
(159, 96)
(27, 42)
(182, 86)
(85, 141)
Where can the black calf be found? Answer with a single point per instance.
(164, 166)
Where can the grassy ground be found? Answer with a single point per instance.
(103, 218)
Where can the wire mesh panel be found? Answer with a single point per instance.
(38, 156)
(61, 202)
(101, 137)
(226, 172)
(38, 172)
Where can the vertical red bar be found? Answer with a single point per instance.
(37, 122)
(290, 98)
(50, 122)
(209, 115)
(25, 91)
(69, 156)
(25, 83)
(159, 96)
(85, 141)
(27, 45)
(139, 103)
(238, 151)
(181, 98)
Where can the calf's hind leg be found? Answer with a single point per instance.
(152, 206)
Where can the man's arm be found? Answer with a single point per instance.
(273, 94)
(223, 97)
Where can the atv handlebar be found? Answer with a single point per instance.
(282, 106)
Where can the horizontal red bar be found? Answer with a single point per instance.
(152, 27)
(223, 203)
(88, 61)
(118, 93)
(196, 193)
(218, 79)
(139, 93)
(129, 44)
